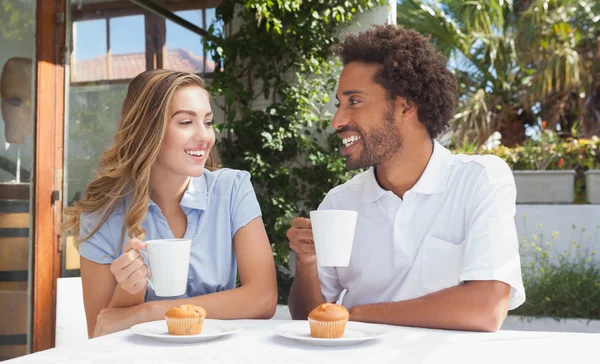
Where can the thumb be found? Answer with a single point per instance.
(139, 244)
(134, 244)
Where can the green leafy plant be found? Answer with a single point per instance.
(548, 152)
(542, 154)
(275, 79)
(561, 284)
(517, 62)
(589, 152)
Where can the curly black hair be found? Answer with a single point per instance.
(411, 69)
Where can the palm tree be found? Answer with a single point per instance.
(591, 105)
(558, 40)
(517, 62)
(478, 38)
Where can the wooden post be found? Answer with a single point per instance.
(48, 166)
(155, 31)
(108, 52)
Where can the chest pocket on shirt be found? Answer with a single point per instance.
(442, 263)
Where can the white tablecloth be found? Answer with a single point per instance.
(257, 343)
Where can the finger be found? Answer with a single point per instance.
(139, 286)
(124, 261)
(304, 235)
(145, 270)
(135, 279)
(138, 277)
(133, 244)
(126, 272)
(303, 248)
(307, 249)
(121, 275)
(301, 223)
(131, 256)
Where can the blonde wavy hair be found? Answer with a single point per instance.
(125, 166)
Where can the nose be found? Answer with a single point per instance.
(339, 119)
(201, 133)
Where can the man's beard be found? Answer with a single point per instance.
(379, 145)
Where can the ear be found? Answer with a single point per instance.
(405, 107)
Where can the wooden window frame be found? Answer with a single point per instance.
(155, 30)
(125, 8)
(48, 168)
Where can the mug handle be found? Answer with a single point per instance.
(145, 254)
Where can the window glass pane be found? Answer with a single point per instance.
(93, 117)
(184, 47)
(89, 51)
(128, 46)
(17, 106)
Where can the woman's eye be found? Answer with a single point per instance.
(185, 122)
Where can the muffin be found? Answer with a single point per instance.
(185, 320)
(328, 321)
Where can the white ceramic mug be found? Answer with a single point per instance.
(168, 265)
(333, 232)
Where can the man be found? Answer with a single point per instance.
(435, 243)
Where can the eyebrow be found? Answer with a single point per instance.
(192, 113)
(351, 92)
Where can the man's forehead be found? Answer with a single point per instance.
(359, 70)
(357, 78)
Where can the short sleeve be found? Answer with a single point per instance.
(244, 205)
(101, 246)
(330, 284)
(492, 247)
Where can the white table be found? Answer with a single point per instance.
(257, 343)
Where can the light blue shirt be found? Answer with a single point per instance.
(217, 204)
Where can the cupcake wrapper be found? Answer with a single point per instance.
(327, 330)
(185, 326)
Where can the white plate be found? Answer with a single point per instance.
(211, 330)
(355, 333)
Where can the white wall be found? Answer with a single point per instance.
(378, 15)
(545, 219)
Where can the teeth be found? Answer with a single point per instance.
(195, 153)
(350, 140)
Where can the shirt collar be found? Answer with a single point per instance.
(435, 177)
(433, 180)
(195, 196)
(373, 190)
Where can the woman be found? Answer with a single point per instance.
(159, 180)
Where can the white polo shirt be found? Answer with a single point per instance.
(456, 224)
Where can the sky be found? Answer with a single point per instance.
(127, 35)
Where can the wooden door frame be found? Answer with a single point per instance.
(48, 168)
(47, 182)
